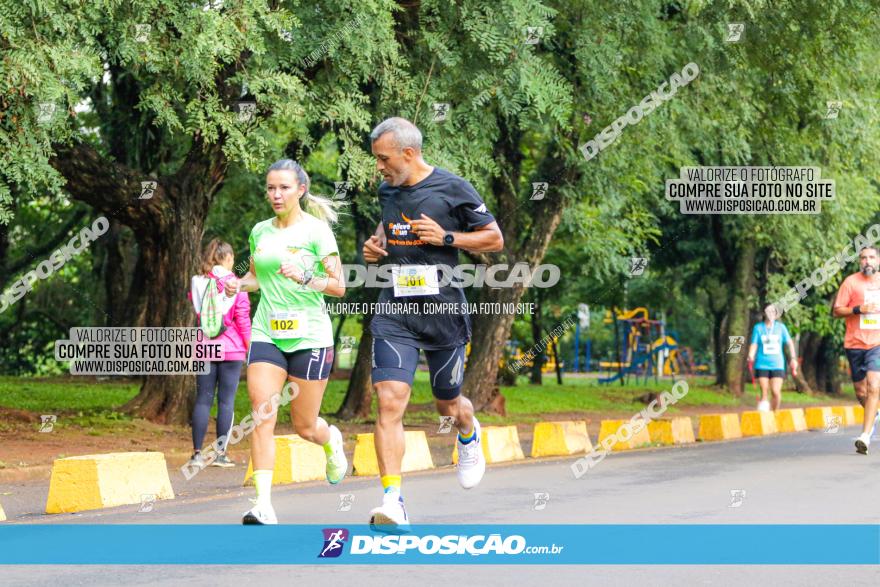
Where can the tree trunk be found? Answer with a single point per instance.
(738, 317)
(168, 229)
(171, 259)
(556, 361)
(719, 346)
(538, 361)
(809, 352)
(358, 402)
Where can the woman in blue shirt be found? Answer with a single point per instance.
(766, 358)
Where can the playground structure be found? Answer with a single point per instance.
(645, 347)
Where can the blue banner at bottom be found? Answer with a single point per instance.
(685, 544)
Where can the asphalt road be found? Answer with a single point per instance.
(804, 478)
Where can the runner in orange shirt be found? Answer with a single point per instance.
(858, 300)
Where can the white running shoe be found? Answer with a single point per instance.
(337, 464)
(390, 517)
(471, 462)
(874, 427)
(763, 406)
(260, 514)
(862, 443)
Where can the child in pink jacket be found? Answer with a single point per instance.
(217, 262)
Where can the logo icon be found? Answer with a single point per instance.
(45, 112)
(341, 190)
(832, 424)
(446, 424)
(481, 209)
(47, 422)
(148, 188)
(734, 32)
(245, 111)
(834, 107)
(637, 265)
(346, 344)
(539, 190)
(346, 500)
(541, 500)
(441, 111)
(147, 502)
(334, 538)
(142, 32)
(735, 344)
(533, 34)
(736, 497)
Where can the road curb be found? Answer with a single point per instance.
(106, 480)
(500, 445)
(417, 455)
(818, 417)
(719, 427)
(296, 460)
(791, 420)
(561, 438)
(609, 429)
(754, 423)
(679, 430)
(847, 415)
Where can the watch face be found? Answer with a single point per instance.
(448, 239)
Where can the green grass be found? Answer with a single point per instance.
(94, 406)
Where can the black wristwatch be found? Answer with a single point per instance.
(307, 277)
(448, 238)
(857, 309)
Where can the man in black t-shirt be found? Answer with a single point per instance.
(428, 214)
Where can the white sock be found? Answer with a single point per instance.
(263, 484)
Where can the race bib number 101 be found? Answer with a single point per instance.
(415, 280)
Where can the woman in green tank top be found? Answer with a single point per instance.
(294, 263)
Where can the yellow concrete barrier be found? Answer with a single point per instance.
(674, 431)
(791, 420)
(91, 482)
(609, 429)
(560, 439)
(296, 460)
(859, 414)
(500, 444)
(754, 423)
(846, 414)
(818, 418)
(719, 427)
(416, 458)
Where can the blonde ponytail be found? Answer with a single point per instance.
(322, 208)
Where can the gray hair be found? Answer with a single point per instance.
(318, 206)
(406, 134)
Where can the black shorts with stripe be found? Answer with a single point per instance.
(395, 361)
(308, 364)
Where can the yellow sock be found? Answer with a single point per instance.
(263, 485)
(391, 483)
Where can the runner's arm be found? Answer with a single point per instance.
(374, 247)
(793, 360)
(483, 239)
(331, 284)
(753, 350)
(247, 283)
